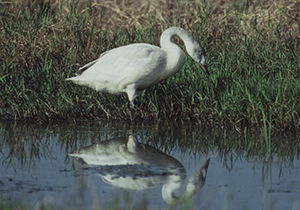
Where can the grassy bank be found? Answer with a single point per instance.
(253, 54)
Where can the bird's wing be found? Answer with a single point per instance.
(135, 60)
(86, 66)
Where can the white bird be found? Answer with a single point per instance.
(129, 68)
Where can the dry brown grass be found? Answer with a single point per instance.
(246, 15)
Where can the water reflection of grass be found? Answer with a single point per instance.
(26, 142)
(253, 56)
(230, 145)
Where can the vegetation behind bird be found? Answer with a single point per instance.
(252, 51)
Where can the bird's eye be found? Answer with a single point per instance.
(198, 52)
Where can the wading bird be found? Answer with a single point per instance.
(129, 68)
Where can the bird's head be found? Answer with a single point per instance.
(197, 53)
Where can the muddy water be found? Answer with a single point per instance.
(161, 167)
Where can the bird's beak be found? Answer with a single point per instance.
(204, 67)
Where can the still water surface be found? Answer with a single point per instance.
(36, 166)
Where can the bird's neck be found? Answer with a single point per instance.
(174, 53)
(167, 35)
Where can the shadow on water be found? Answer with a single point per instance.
(103, 166)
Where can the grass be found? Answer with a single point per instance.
(253, 54)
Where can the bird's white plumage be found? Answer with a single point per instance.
(129, 68)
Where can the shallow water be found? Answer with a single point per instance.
(36, 169)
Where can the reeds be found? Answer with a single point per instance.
(254, 62)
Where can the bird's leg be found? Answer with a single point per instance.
(131, 111)
(131, 92)
(132, 104)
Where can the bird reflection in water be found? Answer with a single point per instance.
(127, 164)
